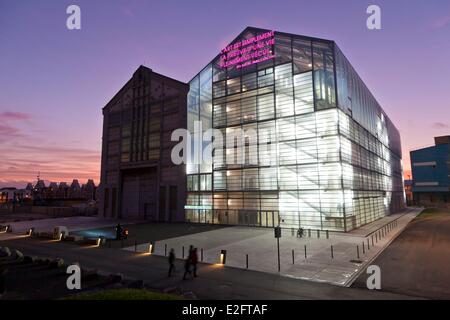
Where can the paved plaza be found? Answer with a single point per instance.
(337, 260)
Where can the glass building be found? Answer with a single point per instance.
(335, 157)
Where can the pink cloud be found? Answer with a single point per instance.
(14, 116)
(441, 22)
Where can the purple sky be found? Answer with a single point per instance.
(54, 82)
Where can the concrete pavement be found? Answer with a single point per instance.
(418, 261)
(337, 260)
(214, 282)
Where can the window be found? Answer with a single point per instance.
(249, 82)
(324, 86)
(219, 89)
(301, 55)
(283, 51)
(265, 77)
(233, 86)
(265, 107)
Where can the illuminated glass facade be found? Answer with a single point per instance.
(335, 155)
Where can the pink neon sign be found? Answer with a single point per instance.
(248, 51)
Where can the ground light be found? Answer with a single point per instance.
(223, 257)
(30, 232)
(151, 248)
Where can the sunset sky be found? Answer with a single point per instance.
(54, 82)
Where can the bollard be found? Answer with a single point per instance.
(364, 249)
(223, 256)
(165, 250)
(372, 240)
(357, 251)
(309, 233)
(328, 235)
(246, 261)
(293, 257)
(318, 233)
(368, 244)
(201, 254)
(332, 253)
(292, 231)
(135, 245)
(183, 252)
(305, 251)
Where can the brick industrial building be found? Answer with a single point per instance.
(138, 179)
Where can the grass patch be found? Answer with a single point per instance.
(123, 294)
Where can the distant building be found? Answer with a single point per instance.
(431, 173)
(7, 194)
(408, 192)
(138, 178)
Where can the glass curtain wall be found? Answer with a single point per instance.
(332, 162)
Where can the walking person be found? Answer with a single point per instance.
(118, 232)
(171, 261)
(187, 267)
(194, 261)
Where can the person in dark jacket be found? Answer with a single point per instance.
(187, 268)
(171, 261)
(194, 261)
(118, 232)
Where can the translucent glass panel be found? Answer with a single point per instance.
(286, 128)
(287, 179)
(303, 93)
(234, 179)
(220, 180)
(206, 108)
(268, 178)
(233, 86)
(324, 85)
(220, 115)
(307, 151)
(305, 126)
(284, 90)
(265, 77)
(250, 179)
(283, 50)
(308, 177)
(287, 152)
(248, 109)
(233, 111)
(249, 82)
(219, 89)
(265, 107)
(301, 54)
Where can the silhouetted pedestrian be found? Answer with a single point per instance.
(194, 261)
(118, 232)
(171, 261)
(187, 268)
